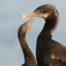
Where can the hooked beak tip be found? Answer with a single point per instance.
(31, 14)
(23, 16)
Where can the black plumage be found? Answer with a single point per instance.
(48, 51)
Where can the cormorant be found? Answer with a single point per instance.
(48, 51)
(29, 58)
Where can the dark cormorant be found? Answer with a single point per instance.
(29, 58)
(48, 51)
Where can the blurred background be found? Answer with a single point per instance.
(10, 12)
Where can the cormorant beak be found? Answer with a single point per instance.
(34, 14)
(31, 14)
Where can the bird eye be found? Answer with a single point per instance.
(41, 10)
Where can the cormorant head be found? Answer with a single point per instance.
(43, 11)
(24, 28)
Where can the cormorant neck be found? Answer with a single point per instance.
(51, 23)
(26, 50)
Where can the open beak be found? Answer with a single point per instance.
(31, 14)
